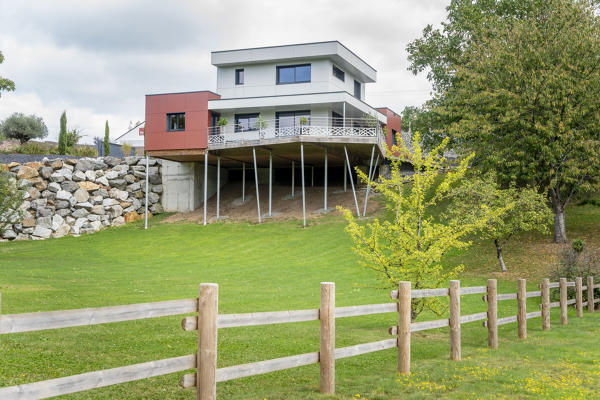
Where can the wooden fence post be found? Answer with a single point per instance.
(206, 359)
(327, 351)
(563, 300)
(579, 296)
(590, 293)
(522, 308)
(545, 304)
(404, 319)
(492, 313)
(454, 294)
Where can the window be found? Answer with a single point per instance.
(357, 89)
(292, 119)
(338, 73)
(394, 137)
(176, 122)
(239, 76)
(293, 74)
(246, 122)
(337, 120)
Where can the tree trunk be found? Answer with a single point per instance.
(560, 232)
(499, 254)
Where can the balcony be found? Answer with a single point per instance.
(261, 132)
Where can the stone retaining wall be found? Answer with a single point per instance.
(76, 196)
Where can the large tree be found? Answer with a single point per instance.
(23, 127)
(5, 84)
(524, 97)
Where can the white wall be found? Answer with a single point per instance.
(183, 185)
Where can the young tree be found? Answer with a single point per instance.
(11, 199)
(410, 246)
(525, 99)
(106, 140)
(526, 210)
(23, 127)
(72, 137)
(62, 135)
(5, 84)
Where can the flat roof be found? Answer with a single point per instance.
(333, 50)
(189, 91)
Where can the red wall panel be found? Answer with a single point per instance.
(197, 118)
(394, 121)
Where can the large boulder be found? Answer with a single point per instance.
(98, 209)
(118, 221)
(80, 213)
(118, 183)
(132, 216)
(69, 186)
(46, 172)
(112, 161)
(54, 187)
(26, 172)
(79, 176)
(90, 175)
(63, 195)
(9, 234)
(63, 230)
(84, 164)
(81, 195)
(89, 186)
(44, 222)
(57, 222)
(42, 232)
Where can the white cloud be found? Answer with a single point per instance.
(97, 59)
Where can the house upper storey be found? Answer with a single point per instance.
(309, 68)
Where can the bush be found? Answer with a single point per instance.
(577, 261)
(83, 151)
(126, 148)
(11, 199)
(34, 148)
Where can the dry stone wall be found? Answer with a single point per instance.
(77, 196)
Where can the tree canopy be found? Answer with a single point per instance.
(5, 84)
(524, 97)
(23, 127)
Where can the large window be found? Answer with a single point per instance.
(293, 74)
(246, 122)
(292, 119)
(239, 76)
(338, 73)
(357, 89)
(176, 122)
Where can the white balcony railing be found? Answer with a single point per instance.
(316, 127)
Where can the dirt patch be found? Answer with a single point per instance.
(283, 205)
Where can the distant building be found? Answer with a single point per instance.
(133, 137)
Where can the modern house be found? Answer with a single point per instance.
(281, 113)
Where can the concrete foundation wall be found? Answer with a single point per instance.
(183, 185)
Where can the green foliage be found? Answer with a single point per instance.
(62, 135)
(410, 246)
(527, 105)
(11, 199)
(83, 151)
(222, 121)
(126, 148)
(23, 127)
(303, 121)
(35, 148)
(526, 210)
(73, 137)
(106, 140)
(578, 245)
(261, 123)
(5, 84)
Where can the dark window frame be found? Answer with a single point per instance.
(279, 67)
(243, 116)
(394, 137)
(169, 116)
(338, 71)
(239, 81)
(279, 114)
(359, 84)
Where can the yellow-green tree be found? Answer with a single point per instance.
(409, 245)
(526, 210)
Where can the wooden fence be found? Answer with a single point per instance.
(208, 321)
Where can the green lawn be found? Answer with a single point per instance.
(278, 266)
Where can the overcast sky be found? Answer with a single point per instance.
(97, 59)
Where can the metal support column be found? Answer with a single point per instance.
(256, 180)
(218, 186)
(146, 202)
(270, 180)
(325, 184)
(205, 183)
(293, 179)
(351, 181)
(243, 183)
(312, 177)
(369, 181)
(345, 179)
(303, 194)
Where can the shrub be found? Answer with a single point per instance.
(34, 148)
(126, 148)
(577, 261)
(11, 199)
(83, 151)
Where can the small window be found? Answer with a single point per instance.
(176, 122)
(239, 76)
(394, 137)
(338, 73)
(357, 89)
(293, 74)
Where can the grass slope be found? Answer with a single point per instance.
(278, 266)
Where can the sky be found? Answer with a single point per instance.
(97, 59)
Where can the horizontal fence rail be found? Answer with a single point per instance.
(205, 309)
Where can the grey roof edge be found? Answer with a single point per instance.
(298, 44)
(189, 91)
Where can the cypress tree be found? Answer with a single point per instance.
(106, 140)
(62, 135)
